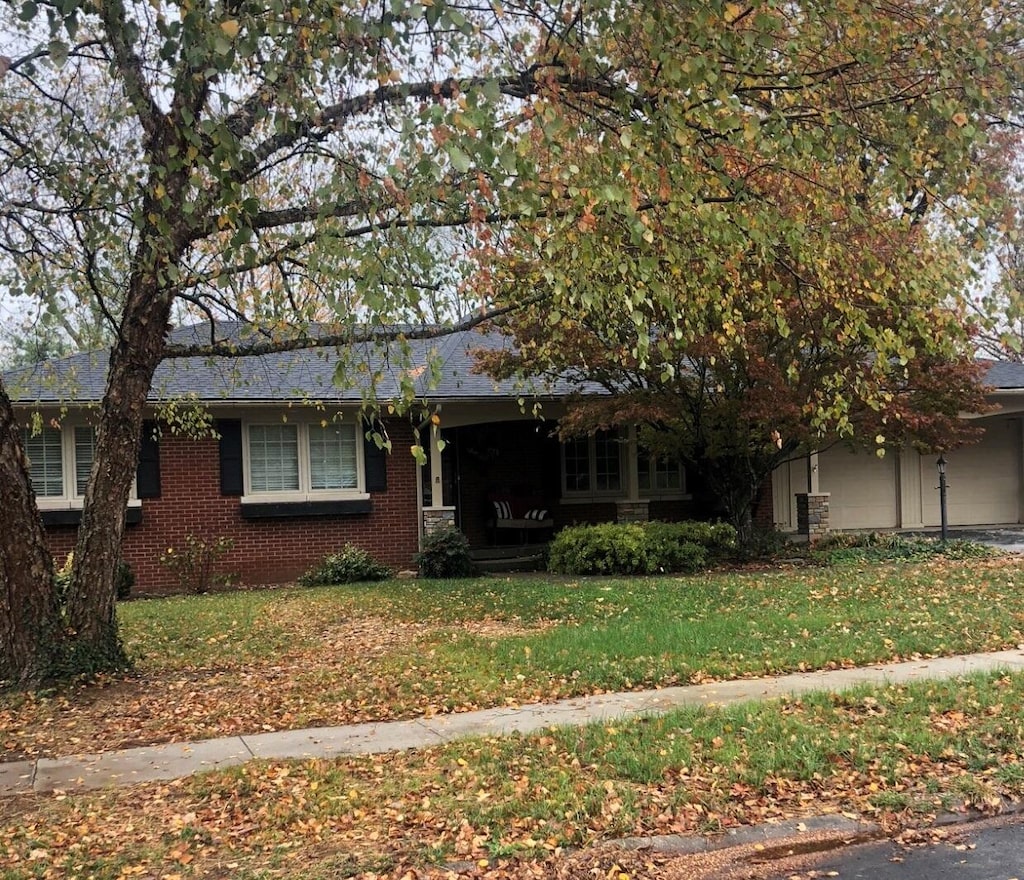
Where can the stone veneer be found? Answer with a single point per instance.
(812, 514)
(436, 519)
(632, 511)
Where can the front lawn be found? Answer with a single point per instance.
(269, 660)
(510, 807)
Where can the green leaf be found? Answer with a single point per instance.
(460, 161)
(58, 52)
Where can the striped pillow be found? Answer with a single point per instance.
(536, 513)
(502, 510)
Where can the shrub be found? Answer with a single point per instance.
(194, 563)
(349, 566)
(62, 578)
(672, 549)
(633, 548)
(608, 548)
(718, 538)
(445, 554)
(766, 543)
(841, 547)
(124, 579)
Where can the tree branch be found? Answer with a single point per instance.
(334, 340)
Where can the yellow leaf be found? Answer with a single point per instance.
(230, 28)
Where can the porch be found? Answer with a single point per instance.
(509, 485)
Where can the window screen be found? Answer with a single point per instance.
(273, 458)
(332, 457)
(46, 465)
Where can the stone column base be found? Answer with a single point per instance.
(632, 511)
(437, 519)
(812, 514)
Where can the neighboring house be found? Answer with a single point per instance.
(291, 474)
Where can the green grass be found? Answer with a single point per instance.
(229, 663)
(613, 633)
(908, 749)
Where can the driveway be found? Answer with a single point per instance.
(1009, 539)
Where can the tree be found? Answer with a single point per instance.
(368, 157)
(802, 379)
(757, 295)
(154, 153)
(997, 303)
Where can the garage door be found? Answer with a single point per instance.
(863, 489)
(983, 480)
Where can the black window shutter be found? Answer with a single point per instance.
(147, 477)
(232, 481)
(375, 460)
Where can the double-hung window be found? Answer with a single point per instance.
(659, 475)
(303, 461)
(592, 466)
(59, 463)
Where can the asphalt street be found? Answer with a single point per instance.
(989, 850)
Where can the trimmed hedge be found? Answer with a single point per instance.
(635, 548)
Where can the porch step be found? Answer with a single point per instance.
(501, 559)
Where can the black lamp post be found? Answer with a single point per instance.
(941, 465)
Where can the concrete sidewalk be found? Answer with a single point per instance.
(175, 760)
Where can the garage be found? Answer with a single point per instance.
(863, 488)
(983, 480)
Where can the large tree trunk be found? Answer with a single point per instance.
(96, 645)
(31, 638)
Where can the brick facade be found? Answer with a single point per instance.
(277, 550)
(266, 551)
(764, 510)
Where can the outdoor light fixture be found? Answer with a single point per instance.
(940, 464)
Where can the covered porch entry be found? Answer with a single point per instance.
(504, 479)
(488, 477)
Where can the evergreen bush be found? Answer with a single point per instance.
(445, 554)
(635, 548)
(349, 566)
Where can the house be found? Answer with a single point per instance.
(289, 474)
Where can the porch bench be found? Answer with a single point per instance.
(526, 515)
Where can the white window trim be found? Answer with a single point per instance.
(627, 447)
(585, 496)
(304, 493)
(69, 499)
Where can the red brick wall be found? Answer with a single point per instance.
(764, 513)
(266, 551)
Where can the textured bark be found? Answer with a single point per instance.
(96, 645)
(31, 639)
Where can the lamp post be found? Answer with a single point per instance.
(944, 520)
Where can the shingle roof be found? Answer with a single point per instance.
(1005, 375)
(310, 374)
(291, 376)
